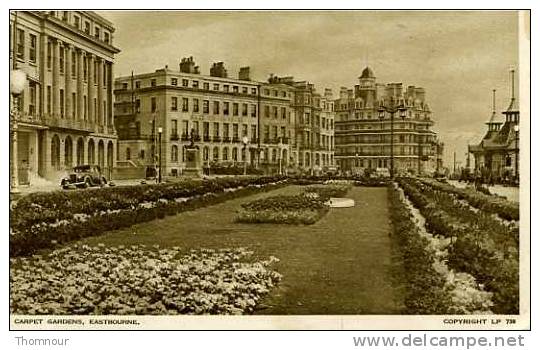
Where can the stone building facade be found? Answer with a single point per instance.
(66, 109)
(363, 138)
(214, 111)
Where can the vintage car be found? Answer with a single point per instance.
(84, 176)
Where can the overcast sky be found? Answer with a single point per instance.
(459, 57)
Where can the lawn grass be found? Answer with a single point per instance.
(343, 264)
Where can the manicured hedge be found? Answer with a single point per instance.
(492, 204)
(424, 293)
(482, 246)
(60, 217)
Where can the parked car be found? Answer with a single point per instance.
(84, 176)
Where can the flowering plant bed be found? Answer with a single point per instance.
(60, 217)
(488, 203)
(480, 244)
(297, 209)
(431, 286)
(83, 280)
(327, 191)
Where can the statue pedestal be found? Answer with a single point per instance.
(193, 164)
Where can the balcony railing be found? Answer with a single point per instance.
(226, 139)
(185, 137)
(206, 138)
(235, 139)
(217, 138)
(175, 137)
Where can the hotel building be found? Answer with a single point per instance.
(64, 115)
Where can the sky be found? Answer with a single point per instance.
(458, 57)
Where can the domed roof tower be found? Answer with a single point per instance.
(367, 87)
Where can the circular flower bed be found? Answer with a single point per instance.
(83, 280)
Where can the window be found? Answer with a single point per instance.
(174, 103)
(49, 54)
(235, 89)
(266, 92)
(85, 109)
(206, 106)
(96, 33)
(64, 16)
(105, 65)
(73, 64)
(185, 82)
(235, 154)
(226, 88)
(245, 90)
(174, 153)
(153, 83)
(128, 153)
(141, 155)
(235, 131)
(62, 103)
(32, 53)
(185, 104)
(195, 84)
(73, 105)
(235, 108)
(196, 105)
(225, 155)
(244, 129)
(216, 129)
(282, 131)
(85, 68)
(76, 22)
(185, 127)
(226, 108)
(254, 91)
(254, 111)
(274, 111)
(20, 44)
(87, 27)
(32, 103)
(267, 111)
(137, 106)
(174, 81)
(216, 87)
(283, 113)
(206, 86)
(254, 133)
(216, 107)
(153, 104)
(107, 38)
(137, 84)
(226, 130)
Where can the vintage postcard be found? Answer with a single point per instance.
(289, 170)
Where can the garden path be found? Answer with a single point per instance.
(343, 264)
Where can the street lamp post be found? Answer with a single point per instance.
(516, 129)
(280, 150)
(16, 87)
(160, 131)
(245, 141)
(392, 108)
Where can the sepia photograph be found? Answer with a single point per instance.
(284, 170)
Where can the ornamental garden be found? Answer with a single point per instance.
(265, 245)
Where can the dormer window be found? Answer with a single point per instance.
(96, 33)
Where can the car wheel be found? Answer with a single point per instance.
(103, 182)
(87, 182)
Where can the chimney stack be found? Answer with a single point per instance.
(218, 70)
(187, 65)
(243, 74)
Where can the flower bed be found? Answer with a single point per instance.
(83, 280)
(489, 203)
(480, 245)
(59, 217)
(297, 209)
(328, 190)
(431, 287)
